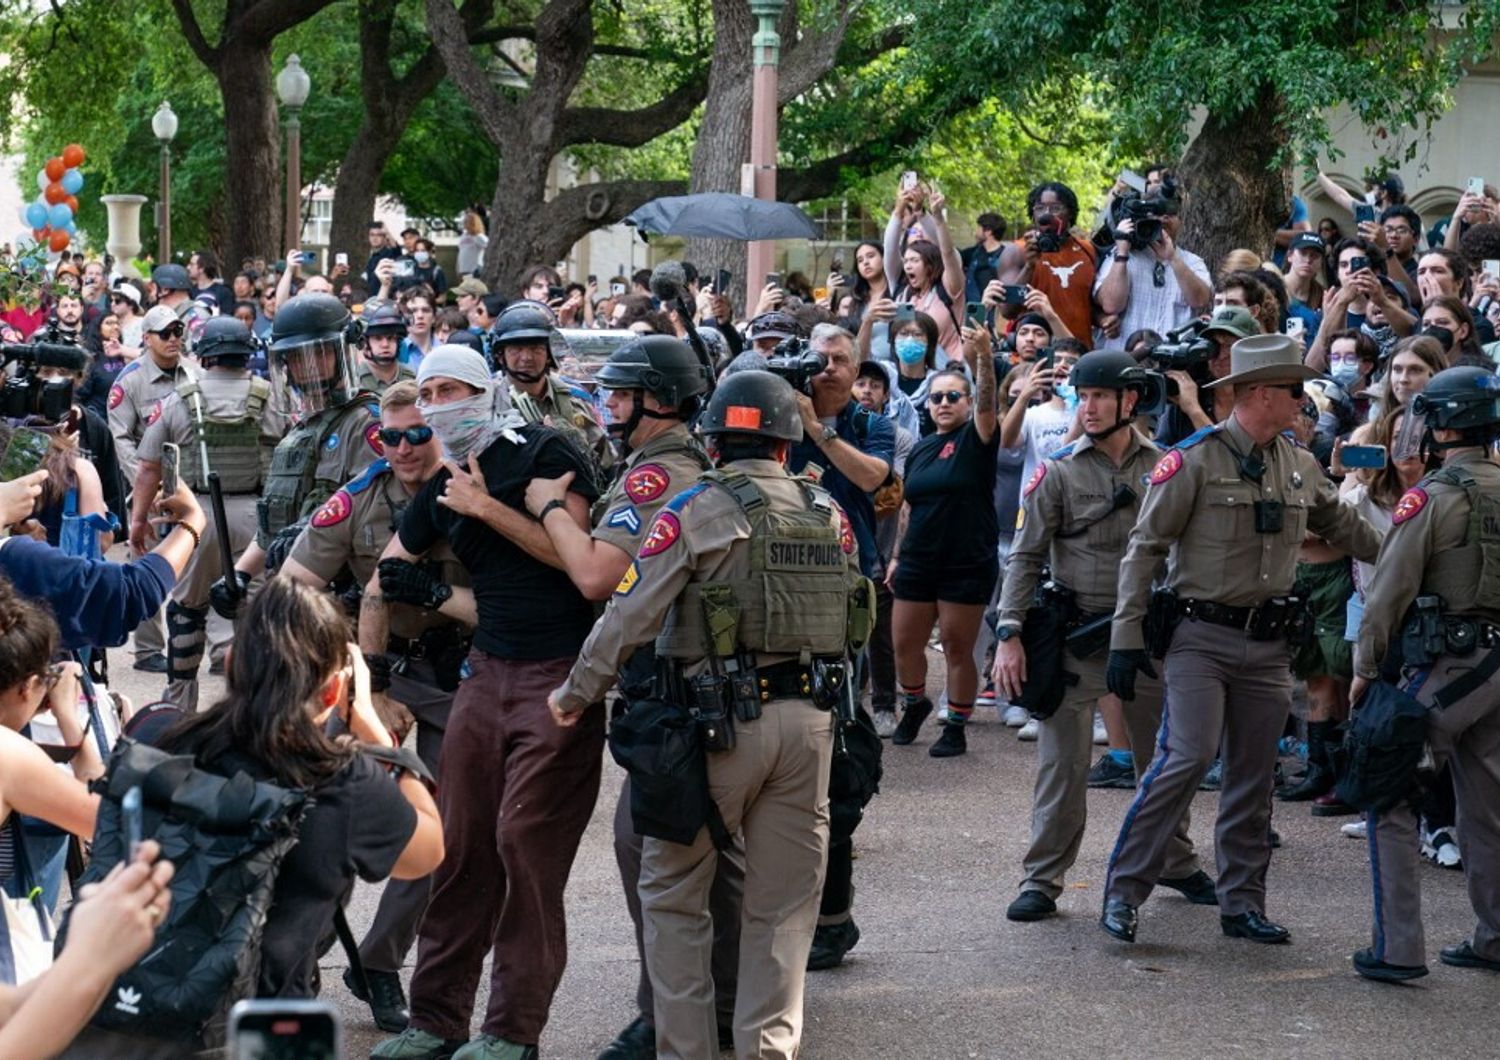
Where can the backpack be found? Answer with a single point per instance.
(228, 837)
(1378, 764)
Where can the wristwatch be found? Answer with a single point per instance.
(1004, 633)
(828, 435)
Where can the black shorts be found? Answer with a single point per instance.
(926, 582)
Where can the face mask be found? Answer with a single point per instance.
(463, 427)
(1345, 372)
(911, 350)
(1442, 334)
(421, 257)
(1067, 393)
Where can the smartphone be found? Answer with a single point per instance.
(905, 312)
(1492, 267)
(1015, 294)
(908, 180)
(1363, 212)
(341, 259)
(722, 279)
(171, 460)
(555, 292)
(593, 280)
(837, 265)
(1476, 186)
(1358, 263)
(1295, 328)
(1132, 180)
(130, 814)
(773, 279)
(406, 267)
(820, 294)
(616, 289)
(284, 1029)
(976, 311)
(1362, 456)
(1045, 359)
(24, 454)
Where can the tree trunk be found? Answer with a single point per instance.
(358, 185)
(253, 179)
(1237, 197)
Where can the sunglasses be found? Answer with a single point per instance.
(1294, 389)
(946, 397)
(172, 331)
(416, 436)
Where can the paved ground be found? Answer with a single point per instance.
(940, 973)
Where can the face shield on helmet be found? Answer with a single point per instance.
(317, 373)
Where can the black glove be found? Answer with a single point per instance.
(227, 599)
(281, 546)
(412, 583)
(380, 670)
(1120, 671)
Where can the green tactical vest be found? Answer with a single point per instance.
(795, 600)
(293, 478)
(233, 444)
(1451, 573)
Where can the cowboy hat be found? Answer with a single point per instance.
(1266, 359)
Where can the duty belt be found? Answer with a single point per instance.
(414, 649)
(1264, 621)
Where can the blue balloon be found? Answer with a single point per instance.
(59, 215)
(72, 180)
(71, 228)
(36, 214)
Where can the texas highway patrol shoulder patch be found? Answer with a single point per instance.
(334, 510)
(372, 439)
(1036, 479)
(628, 579)
(1166, 467)
(1409, 506)
(116, 395)
(846, 533)
(664, 532)
(647, 482)
(154, 415)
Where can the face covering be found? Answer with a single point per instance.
(1067, 393)
(421, 257)
(466, 426)
(1345, 372)
(1442, 334)
(911, 350)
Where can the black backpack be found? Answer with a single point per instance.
(1382, 749)
(228, 838)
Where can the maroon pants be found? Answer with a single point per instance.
(516, 794)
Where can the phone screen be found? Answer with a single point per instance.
(554, 292)
(171, 460)
(341, 259)
(722, 281)
(24, 454)
(1363, 212)
(292, 1034)
(593, 279)
(1476, 185)
(908, 180)
(773, 279)
(906, 311)
(617, 289)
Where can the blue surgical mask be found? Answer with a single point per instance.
(1067, 393)
(420, 257)
(1344, 372)
(911, 350)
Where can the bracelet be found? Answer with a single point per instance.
(548, 507)
(197, 540)
(1122, 257)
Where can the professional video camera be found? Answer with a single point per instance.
(1147, 213)
(26, 395)
(795, 362)
(1186, 350)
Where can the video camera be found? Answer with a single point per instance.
(1186, 350)
(25, 395)
(1049, 235)
(1147, 213)
(794, 361)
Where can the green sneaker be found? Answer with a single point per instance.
(488, 1047)
(412, 1044)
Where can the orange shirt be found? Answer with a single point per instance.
(1066, 277)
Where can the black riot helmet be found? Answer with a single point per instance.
(1117, 371)
(1466, 399)
(523, 322)
(382, 318)
(659, 365)
(309, 355)
(225, 342)
(754, 403)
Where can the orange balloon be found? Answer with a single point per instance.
(55, 169)
(54, 193)
(59, 240)
(40, 234)
(72, 204)
(72, 157)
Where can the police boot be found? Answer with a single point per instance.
(635, 1042)
(187, 636)
(1319, 776)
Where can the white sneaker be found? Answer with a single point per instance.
(1028, 731)
(1100, 736)
(1354, 829)
(885, 723)
(1014, 717)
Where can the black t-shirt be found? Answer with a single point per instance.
(527, 610)
(949, 481)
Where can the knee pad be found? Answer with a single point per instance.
(185, 621)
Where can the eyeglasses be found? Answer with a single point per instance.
(1294, 389)
(50, 676)
(172, 331)
(391, 436)
(946, 397)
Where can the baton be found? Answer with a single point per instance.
(221, 528)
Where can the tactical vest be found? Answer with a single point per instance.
(1481, 549)
(294, 470)
(795, 600)
(233, 444)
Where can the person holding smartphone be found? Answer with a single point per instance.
(931, 274)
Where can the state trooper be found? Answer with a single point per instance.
(414, 639)
(1231, 505)
(381, 329)
(521, 345)
(655, 385)
(222, 421)
(1077, 512)
(1440, 565)
(134, 403)
(713, 581)
(336, 433)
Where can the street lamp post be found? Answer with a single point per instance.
(292, 87)
(766, 48)
(164, 125)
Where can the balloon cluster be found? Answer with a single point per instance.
(51, 217)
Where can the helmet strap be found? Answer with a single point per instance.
(623, 432)
(1099, 436)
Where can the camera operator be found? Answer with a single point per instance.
(1149, 281)
(1057, 260)
(1187, 374)
(65, 325)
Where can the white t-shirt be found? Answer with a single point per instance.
(1043, 433)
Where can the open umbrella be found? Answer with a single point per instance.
(725, 216)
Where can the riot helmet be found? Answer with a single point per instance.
(1117, 371)
(382, 320)
(310, 358)
(754, 403)
(523, 323)
(1464, 399)
(226, 343)
(659, 365)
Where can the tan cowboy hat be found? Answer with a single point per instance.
(1266, 359)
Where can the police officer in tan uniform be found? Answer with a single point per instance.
(1077, 512)
(751, 534)
(221, 422)
(1230, 505)
(414, 640)
(521, 344)
(135, 401)
(655, 385)
(1443, 553)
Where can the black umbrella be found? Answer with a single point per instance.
(725, 216)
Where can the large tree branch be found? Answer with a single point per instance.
(496, 34)
(207, 54)
(632, 128)
(576, 212)
(264, 20)
(496, 115)
(806, 63)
